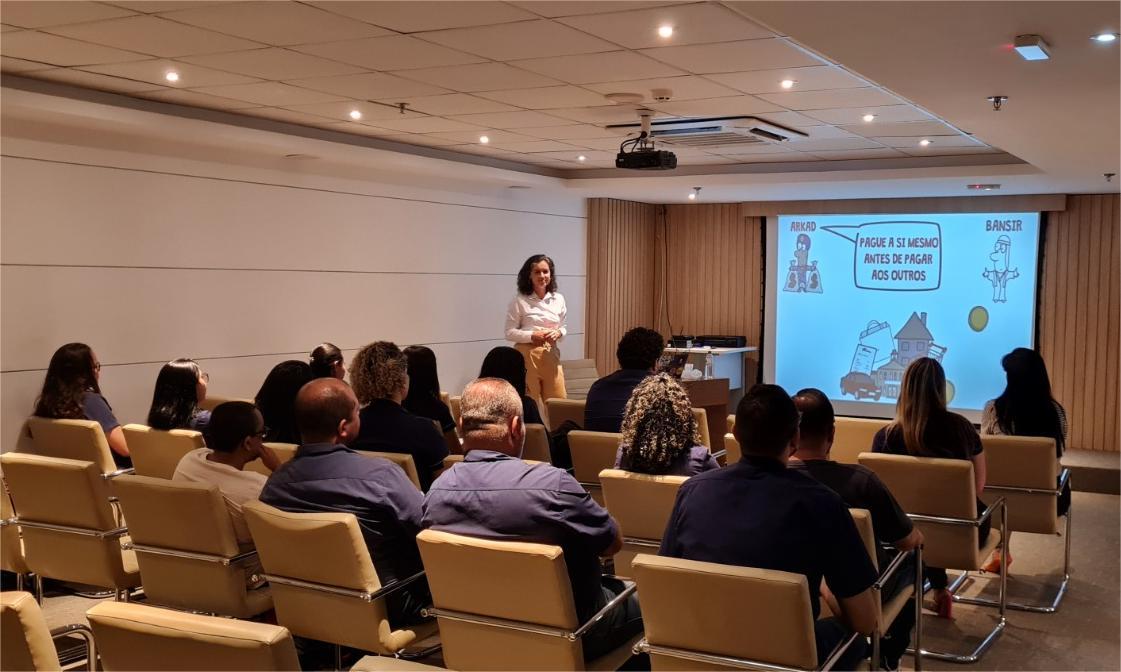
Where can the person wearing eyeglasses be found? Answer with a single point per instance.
(234, 438)
(180, 388)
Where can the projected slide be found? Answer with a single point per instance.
(855, 298)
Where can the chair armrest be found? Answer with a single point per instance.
(119, 472)
(629, 587)
(391, 588)
(970, 522)
(720, 453)
(892, 568)
(1000, 503)
(838, 651)
(82, 631)
(1064, 479)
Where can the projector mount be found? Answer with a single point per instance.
(644, 142)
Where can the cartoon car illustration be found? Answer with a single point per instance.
(860, 385)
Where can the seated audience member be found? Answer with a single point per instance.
(509, 365)
(494, 495)
(180, 388)
(860, 488)
(424, 393)
(277, 398)
(234, 438)
(923, 427)
(660, 433)
(326, 361)
(71, 391)
(326, 476)
(379, 374)
(758, 513)
(638, 353)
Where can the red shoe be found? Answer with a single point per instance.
(942, 604)
(993, 566)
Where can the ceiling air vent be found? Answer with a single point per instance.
(713, 132)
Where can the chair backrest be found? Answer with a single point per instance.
(514, 581)
(11, 547)
(592, 452)
(561, 410)
(579, 374)
(641, 504)
(67, 493)
(731, 422)
(536, 443)
(853, 437)
(142, 637)
(446, 399)
(732, 449)
(72, 440)
(403, 460)
(1023, 462)
(862, 518)
(934, 487)
(25, 639)
(284, 452)
(211, 402)
(686, 605)
(453, 404)
(157, 452)
(700, 416)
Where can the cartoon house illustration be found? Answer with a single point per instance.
(889, 376)
(913, 340)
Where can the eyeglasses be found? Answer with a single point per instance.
(97, 366)
(263, 433)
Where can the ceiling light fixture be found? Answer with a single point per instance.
(925, 142)
(983, 187)
(787, 83)
(696, 192)
(997, 101)
(483, 139)
(581, 158)
(665, 31)
(355, 115)
(1031, 48)
(171, 76)
(1105, 37)
(868, 118)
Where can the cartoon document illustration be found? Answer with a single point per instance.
(803, 275)
(1000, 274)
(860, 381)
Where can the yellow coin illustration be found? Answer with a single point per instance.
(949, 392)
(978, 318)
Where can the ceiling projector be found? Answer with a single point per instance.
(638, 153)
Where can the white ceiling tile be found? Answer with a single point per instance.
(543, 98)
(357, 129)
(824, 100)
(421, 139)
(828, 144)
(369, 86)
(574, 154)
(276, 23)
(844, 155)
(813, 78)
(900, 129)
(427, 125)
(481, 77)
(526, 39)
(196, 99)
(274, 63)
(554, 9)
(716, 107)
(372, 113)
(509, 120)
(568, 132)
(19, 65)
(791, 119)
(936, 142)
(853, 115)
(153, 6)
(825, 132)
(774, 158)
(92, 80)
(411, 17)
(601, 144)
(272, 94)
(30, 45)
(155, 71)
(943, 150)
(487, 150)
(152, 35)
(288, 116)
(534, 146)
(686, 87)
(397, 52)
(606, 67)
(453, 103)
(710, 160)
(472, 137)
(692, 24)
(765, 54)
(41, 14)
(604, 114)
(763, 148)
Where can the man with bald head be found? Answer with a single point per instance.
(327, 477)
(493, 494)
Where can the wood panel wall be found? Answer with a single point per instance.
(1079, 306)
(620, 292)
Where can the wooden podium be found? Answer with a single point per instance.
(711, 395)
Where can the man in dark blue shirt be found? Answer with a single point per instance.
(494, 495)
(327, 477)
(638, 352)
(758, 513)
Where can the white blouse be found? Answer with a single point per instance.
(528, 314)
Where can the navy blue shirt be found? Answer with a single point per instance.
(493, 496)
(607, 400)
(96, 408)
(758, 513)
(388, 428)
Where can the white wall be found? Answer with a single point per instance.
(148, 258)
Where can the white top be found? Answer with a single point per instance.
(236, 486)
(715, 351)
(527, 314)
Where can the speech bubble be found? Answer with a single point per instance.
(895, 256)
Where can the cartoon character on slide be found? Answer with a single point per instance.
(803, 275)
(1000, 274)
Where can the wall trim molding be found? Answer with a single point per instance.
(857, 206)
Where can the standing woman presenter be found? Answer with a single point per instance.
(535, 323)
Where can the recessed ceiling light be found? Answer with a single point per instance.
(1105, 37)
(787, 83)
(692, 196)
(581, 158)
(483, 139)
(171, 76)
(665, 31)
(696, 192)
(355, 115)
(924, 142)
(868, 117)
(1031, 48)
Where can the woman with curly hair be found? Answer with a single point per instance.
(660, 433)
(379, 374)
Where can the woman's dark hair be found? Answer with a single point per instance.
(1026, 407)
(277, 399)
(525, 282)
(230, 424)
(69, 375)
(423, 379)
(323, 360)
(175, 398)
(505, 363)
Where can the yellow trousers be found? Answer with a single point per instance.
(544, 375)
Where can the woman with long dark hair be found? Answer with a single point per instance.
(660, 431)
(535, 323)
(424, 393)
(277, 400)
(508, 364)
(180, 388)
(71, 390)
(326, 361)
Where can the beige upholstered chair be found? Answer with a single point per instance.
(211, 402)
(731, 422)
(140, 637)
(939, 495)
(642, 505)
(187, 549)
(284, 453)
(536, 444)
(453, 404)
(701, 418)
(69, 530)
(686, 606)
(560, 410)
(25, 641)
(11, 546)
(156, 452)
(387, 664)
(323, 582)
(403, 460)
(732, 450)
(592, 452)
(446, 398)
(853, 437)
(579, 374)
(507, 605)
(73, 440)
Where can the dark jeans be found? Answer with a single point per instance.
(937, 575)
(898, 635)
(618, 626)
(828, 632)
